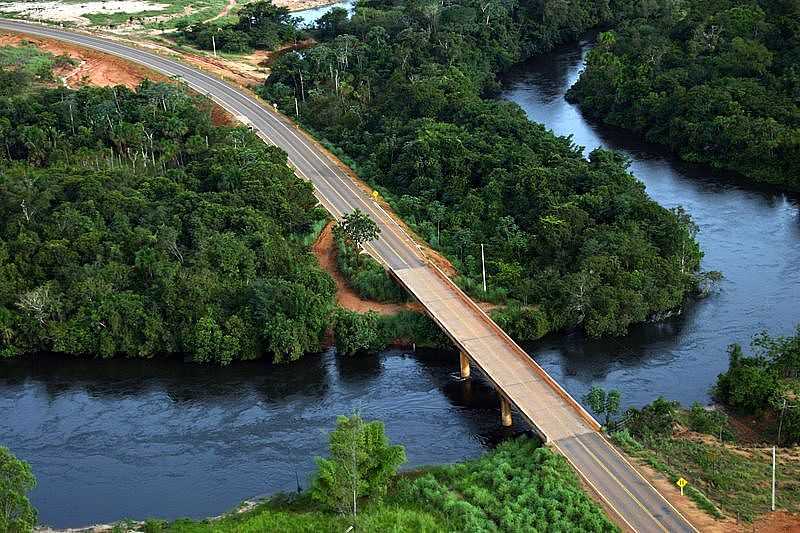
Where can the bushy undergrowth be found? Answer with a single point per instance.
(724, 478)
(371, 332)
(709, 421)
(366, 276)
(522, 323)
(518, 487)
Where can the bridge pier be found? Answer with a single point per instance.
(505, 412)
(464, 365)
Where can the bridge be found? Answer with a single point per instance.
(521, 383)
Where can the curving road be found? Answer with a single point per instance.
(538, 399)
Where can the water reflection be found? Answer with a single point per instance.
(309, 16)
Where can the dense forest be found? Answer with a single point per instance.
(403, 90)
(716, 81)
(766, 383)
(132, 224)
(260, 25)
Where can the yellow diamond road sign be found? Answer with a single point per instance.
(682, 483)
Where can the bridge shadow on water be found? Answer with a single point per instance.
(474, 395)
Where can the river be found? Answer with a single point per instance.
(750, 234)
(164, 438)
(131, 438)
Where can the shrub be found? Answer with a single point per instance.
(354, 332)
(748, 383)
(518, 487)
(655, 420)
(410, 326)
(368, 278)
(709, 421)
(522, 323)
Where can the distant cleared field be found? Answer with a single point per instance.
(114, 13)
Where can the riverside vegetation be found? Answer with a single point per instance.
(519, 486)
(98, 257)
(402, 92)
(726, 477)
(715, 81)
(259, 25)
(133, 225)
(16, 481)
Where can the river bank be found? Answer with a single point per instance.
(165, 438)
(478, 494)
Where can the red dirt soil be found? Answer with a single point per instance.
(99, 69)
(325, 250)
(95, 68)
(777, 522)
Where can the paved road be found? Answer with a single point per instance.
(555, 415)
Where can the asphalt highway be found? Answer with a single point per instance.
(557, 417)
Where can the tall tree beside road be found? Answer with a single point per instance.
(358, 228)
(603, 403)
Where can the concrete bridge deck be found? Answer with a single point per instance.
(539, 399)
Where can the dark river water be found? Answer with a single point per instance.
(114, 439)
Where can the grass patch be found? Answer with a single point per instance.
(723, 479)
(31, 62)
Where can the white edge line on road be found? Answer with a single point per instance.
(594, 488)
(614, 448)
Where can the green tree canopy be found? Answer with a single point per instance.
(603, 403)
(358, 228)
(717, 82)
(360, 465)
(765, 382)
(131, 224)
(17, 515)
(402, 89)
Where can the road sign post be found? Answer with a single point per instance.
(682, 483)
